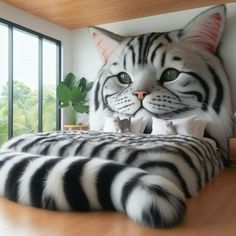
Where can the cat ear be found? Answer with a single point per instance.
(206, 29)
(105, 40)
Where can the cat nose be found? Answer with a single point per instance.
(140, 94)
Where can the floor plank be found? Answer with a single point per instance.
(212, 213)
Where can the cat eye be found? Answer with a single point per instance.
(124, 78)
(169, 75)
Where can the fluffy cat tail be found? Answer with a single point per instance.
(83, 184)
(148, 200)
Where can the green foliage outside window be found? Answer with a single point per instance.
(25, 110)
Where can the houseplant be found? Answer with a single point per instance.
(72, 93)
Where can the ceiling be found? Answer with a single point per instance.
(81, 13)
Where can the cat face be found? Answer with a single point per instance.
(165, 75)
(156, 77)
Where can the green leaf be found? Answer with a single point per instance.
(83, 96)
(82, 84)
(89, 86)
(78, 95)
(75, 94)
(81, 108)
(63, 93)
(71, 81)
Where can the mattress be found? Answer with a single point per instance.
(45, 170)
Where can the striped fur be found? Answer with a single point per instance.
(201, 88)
(145, 176)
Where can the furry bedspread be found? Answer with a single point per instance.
(65, 171)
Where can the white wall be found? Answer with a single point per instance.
(87, 61)
(45, 27)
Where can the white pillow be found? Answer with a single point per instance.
(109, 125)
(159, 126)
(137, 125)
(186, 126)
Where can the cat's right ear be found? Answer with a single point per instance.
(105, 40)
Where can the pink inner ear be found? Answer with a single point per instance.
(208, 33)
(104, 47)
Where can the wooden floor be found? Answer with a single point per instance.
(212, 213)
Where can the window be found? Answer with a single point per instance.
(30, 65)
(3, 83)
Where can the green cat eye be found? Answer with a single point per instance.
(169, 75)
(124, 78)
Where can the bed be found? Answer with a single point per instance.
(181, 162)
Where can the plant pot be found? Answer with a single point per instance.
(70, 115)
(82, 118)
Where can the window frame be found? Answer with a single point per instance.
(41, 37)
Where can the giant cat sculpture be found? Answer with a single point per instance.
(166, 75)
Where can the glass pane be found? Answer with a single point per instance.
(49, 85)
(25, 84)
(3, 83)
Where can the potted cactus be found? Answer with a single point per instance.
(72, 93)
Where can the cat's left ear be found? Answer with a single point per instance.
(105, 40)
(206, 29)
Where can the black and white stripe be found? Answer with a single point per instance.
(159, 169)
(82, 184)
